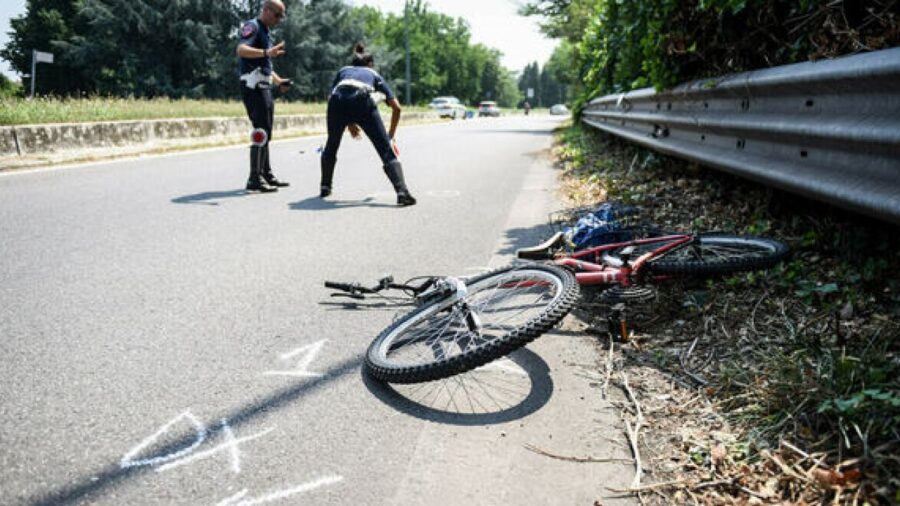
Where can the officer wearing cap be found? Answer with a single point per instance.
(257, 77)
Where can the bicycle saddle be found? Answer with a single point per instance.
(543, 251)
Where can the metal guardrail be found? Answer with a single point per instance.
(828, 130)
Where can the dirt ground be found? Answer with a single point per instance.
(773, 387)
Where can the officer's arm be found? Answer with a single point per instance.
(395, 116)
(245, 51)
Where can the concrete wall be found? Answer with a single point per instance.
(54, 138)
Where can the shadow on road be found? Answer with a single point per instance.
(500, 391)
(208, 198)
(82, 489)
(518, 238)
(319, 204)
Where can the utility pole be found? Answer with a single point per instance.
(408, 71)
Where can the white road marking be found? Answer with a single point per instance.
(309, 353)
(231, 445)
(237, 499)
(128, 460)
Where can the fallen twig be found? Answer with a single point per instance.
(653, 486)
(545, 453)
(633, 433)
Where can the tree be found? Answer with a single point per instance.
(319, 40)
(45, 26)
(443, 59)
(149, 48)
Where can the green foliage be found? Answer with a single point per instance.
(8, 88)
(623, 45)
(186, 48)
(443, 59)
(45, 26)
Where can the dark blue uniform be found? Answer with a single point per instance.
(258, 99)
(351, 102)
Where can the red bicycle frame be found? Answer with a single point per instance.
(595, 272)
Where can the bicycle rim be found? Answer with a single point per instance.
(720, 254)
(512, 307)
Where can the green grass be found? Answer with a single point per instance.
(18, 111)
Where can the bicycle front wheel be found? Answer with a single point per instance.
(512, 306)
(720, 254)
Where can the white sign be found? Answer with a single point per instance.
(41, 57)
(530, 93)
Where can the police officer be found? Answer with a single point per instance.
(256, 52)
(352, 106)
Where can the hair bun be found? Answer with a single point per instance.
(359, 48)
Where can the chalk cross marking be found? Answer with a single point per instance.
(185, 455)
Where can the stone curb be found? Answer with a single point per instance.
(59, 137)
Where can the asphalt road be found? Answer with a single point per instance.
(165, 337)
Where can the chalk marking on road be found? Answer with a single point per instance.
(235, 453)
(232, 500)
(237, 499)
(302, 371)
(128, 460)
(231, 446)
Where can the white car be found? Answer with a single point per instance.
(448, 107)
(559, 109)
(488, 109)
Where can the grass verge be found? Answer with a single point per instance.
(787, 380)
(18, 111)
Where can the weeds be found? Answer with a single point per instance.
(799, 363)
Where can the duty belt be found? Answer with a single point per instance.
(353, 84)
(256, 79)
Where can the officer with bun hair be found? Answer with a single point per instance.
(351, 106)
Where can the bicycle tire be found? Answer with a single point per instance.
(432, 327)
(723, 254)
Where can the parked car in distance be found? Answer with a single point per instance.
(559, 109)
(488, 108)
(448, 107)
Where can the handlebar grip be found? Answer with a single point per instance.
(344, 287)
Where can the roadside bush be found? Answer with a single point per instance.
(629, 45)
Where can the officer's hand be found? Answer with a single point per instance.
(276, 50)
(285, 85)
(354, 130)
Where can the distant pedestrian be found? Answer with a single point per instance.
(257, 77)
(527, 107)
(351, 106)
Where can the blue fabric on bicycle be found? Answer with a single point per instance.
(602, 226)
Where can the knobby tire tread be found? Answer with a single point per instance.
(777, 251)
(479, 356)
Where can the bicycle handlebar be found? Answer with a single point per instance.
(344, 287)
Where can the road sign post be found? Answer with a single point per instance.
(38, 57)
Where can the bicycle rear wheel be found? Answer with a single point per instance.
(512, 306)
(720, 254)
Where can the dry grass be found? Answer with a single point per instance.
(763, 388)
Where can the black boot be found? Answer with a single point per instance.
(256, 181)
(327, 175)
(394, 171)
(267, 170)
